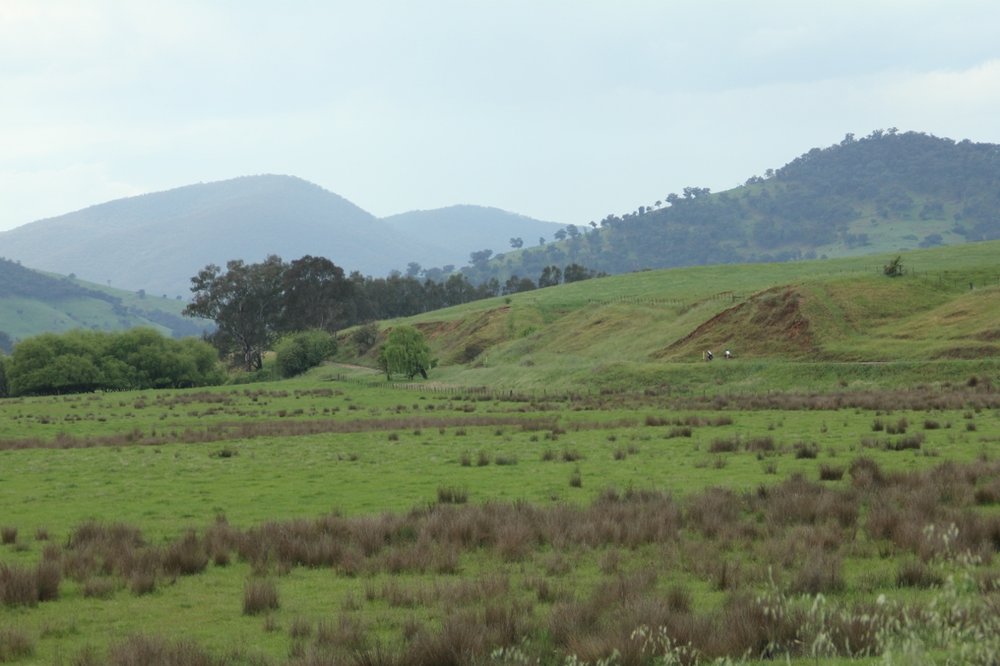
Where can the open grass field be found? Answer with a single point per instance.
(571, 485)
(437, 526)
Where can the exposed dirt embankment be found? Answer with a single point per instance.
(462, 340)
(770, 323)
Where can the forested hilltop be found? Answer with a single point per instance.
(885, 192)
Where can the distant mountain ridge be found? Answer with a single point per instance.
(158, 241)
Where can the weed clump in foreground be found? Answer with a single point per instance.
(724, 539)
(15, 644)
(259, 596)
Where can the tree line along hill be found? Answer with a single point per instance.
(886, 192)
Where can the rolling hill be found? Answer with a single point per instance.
(158, 241)
(841, 319)
(886, 192)
(32, 302)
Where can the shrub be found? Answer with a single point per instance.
(259, 595)
(299, 352)
(364, 337)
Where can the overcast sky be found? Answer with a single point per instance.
(561, 110)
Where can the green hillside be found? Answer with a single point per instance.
(32, 302)
(843, 316)
(886, 192)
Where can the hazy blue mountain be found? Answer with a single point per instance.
(158, 241)
(472, 227)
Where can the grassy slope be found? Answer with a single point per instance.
(653, 326)
(25, 317)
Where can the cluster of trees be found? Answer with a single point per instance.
(255, 305)
(83, 360)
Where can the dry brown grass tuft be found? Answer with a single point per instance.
(259, 596)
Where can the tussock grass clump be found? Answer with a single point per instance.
(452, 495)
(48, 575)
(142, 582)
(576, 479)
(915, 573)
(911, 442)
(18, 585)
(806, 450)
(186, 557)
(830, 472)
(8, 535)
(728, 445)
(760, 444)
(259, 596)
(15, 644)
(140, 649)
(897, 428)
(99, 588)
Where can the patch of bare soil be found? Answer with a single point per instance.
(771, 322)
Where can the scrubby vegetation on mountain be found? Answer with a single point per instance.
(881, 193)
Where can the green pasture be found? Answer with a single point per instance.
(850, 326)
(542, 402)
(406, 445)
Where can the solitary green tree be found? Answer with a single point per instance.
(405, 352)
(245, 303)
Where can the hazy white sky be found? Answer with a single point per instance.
(561, 110)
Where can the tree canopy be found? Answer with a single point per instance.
(83, 360)
(405, 352)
